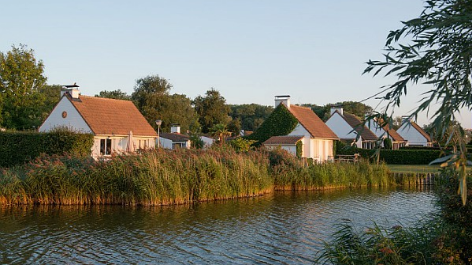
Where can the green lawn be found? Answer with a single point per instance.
(418, 168)
(414, 168)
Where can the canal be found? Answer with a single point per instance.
(281, 228)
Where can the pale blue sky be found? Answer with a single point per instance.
(250, 51)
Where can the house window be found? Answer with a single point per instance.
(105, 147)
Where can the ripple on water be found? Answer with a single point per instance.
(284, 228)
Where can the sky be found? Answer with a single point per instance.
(249, 50)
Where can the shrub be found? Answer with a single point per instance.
(20, 147)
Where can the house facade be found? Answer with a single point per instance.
(117, 125)
(349, 129)
(414, 134)
(386, 131)
(174, 139)
(316, 137)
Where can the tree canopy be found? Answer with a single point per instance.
(152, 98)
(211, 110)
(437, 53)
(21, 78)
(114, 94)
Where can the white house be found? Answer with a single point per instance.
(386, 132)
(316, 137)
(348, 127)
(174, 139)
(117, 125)
(414, 134)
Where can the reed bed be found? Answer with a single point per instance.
(162, 177)
(154, 178)
(292, 174)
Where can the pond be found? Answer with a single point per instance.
(281, 228)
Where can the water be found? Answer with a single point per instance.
(283, 228)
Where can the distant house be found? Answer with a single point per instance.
(387, 132)
(414, 134)
(317, 139)
(174, 139)
(348, 127)
(207, 141)
(117, 125)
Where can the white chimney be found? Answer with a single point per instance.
(72, 90)
(175, 128)
(284, 99)
(337, 108)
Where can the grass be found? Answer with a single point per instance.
(417, 168)
(413, 168)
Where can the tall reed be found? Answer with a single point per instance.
(292, 174)
(154, 178)
(162, 177)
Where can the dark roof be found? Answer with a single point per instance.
(354, 122)
(312, 123)
(283, 140)
(112, 116)
(175, 137)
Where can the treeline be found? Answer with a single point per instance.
(26, 100)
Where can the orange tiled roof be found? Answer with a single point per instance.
(312, 123)
(395, 136)
(354, 122)
(283, 140)
(112, 116)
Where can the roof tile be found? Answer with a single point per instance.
(112, 116)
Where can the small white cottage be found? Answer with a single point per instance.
(174, 139)
(117, 125)
(386, 132)
(414, 134)
(316, 138)
(348, 127)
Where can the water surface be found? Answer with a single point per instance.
(283, 228)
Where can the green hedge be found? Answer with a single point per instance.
(20, 147)
(280, 122)
(402, 156)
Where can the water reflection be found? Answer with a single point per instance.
(283, 228)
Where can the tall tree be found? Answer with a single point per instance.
(114, 94)
(21, 77)
(51, 95)
(439, 55)
(211, 110)
(152, 98)
(250, 116)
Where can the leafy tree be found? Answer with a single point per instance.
(115, 94)
(242, 145)
(234, 126)
(250, 116)
(220, 132)
(152, 98)
(51, 95)
(438, 55)
(21, 77)
(357, 108)
(211, 110)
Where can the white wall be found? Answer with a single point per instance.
(73, 120)
(318, 149)
(290, 148)
(413, 137)
(340, 127)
